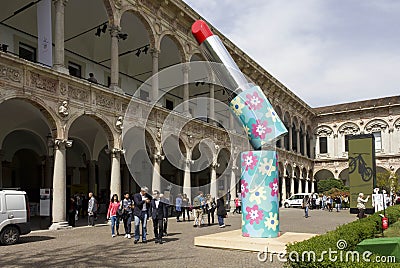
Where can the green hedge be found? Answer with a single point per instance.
(353, 233)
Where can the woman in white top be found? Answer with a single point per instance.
(361, 205)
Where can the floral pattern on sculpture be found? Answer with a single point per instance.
(249, 161)
(274, 187)
(254, 101)
(254, 214)
(272, 221)
(243, 188)
(260, 188)
(258, 195)
(237, 106)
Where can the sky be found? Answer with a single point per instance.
(325, 51)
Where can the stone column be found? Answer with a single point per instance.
(282, 143)
(115, 183)
(306, 186)
(213, 185)
(298, 140)
(283, 197)
(335, 145)
(156, 180)
(292, 186)
(187, 185)
(232, 188)
(305, 144)
(59, 213)
(58, 64)
(114, 31)
(312, 186)
(186, 70)
(290, 139)
(92, 176)
(154, 83)
(212, 103)
(390, 133)
(299, 189)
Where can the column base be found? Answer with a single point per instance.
(59, 226)
(61, 69)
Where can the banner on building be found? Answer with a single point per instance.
(362, 169)
(45, 40)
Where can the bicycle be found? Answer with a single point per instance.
(363, 169)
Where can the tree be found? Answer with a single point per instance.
(388, 181)
(328, 184)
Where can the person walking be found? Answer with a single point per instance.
(159, 212)
(141, 212)
(306, 205)
(198, 204)
(185, 207)
(178, 207)
(112, 214)
(92, 209)
(361, 205)
(221, 212)
(127, 206)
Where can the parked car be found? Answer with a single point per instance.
(14, 216)
(295, 200)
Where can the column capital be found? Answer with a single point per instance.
(214, 165)
(62, 144)
(115, 152)
(158, 157)
(114, 30)
(155, 52)
(185, 67)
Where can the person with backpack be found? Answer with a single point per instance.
(198, 204)
(126, 206)
(221, 212)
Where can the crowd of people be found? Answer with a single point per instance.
(138, 208)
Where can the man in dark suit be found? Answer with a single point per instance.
(159, 212)
(141, 212)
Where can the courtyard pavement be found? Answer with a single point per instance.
(94, 246)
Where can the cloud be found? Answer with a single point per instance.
(325, 53)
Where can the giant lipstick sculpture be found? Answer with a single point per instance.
(259, 179)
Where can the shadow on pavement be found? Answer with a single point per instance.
(34, 238)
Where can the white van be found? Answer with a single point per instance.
(14, 216)
(295, 200)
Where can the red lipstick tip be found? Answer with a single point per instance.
(201, 31)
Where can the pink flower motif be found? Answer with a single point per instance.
(243, 188)
(246, 235)
(254, 101)
(254, 214)
(274, 187)
(249, 161)
(260, 129)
